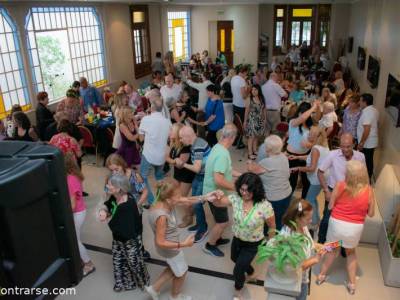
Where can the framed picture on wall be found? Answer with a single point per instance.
(361, 57)
(392, 102)
(373, 71)
(350, 42)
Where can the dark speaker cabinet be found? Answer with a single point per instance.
(38, 246)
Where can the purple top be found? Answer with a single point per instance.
(350, 121)
(335, 162)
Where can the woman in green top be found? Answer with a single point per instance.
(250, 212)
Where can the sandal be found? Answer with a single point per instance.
(87, 270)
(321, 279)
(351, 287)
(251, 157)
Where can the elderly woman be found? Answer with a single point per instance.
(123, 218)
(274, 173)
(251, 211)
(351, 115)
(351, 201)
(72, 107)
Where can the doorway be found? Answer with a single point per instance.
(225, 40)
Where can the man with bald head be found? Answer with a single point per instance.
(273, 94)
(154, 130)
(333, 170)
(199, 153)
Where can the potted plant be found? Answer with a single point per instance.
(285, 253)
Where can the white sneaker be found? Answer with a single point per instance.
(180, 297)
(154, 295)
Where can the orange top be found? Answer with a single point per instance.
(351, 209)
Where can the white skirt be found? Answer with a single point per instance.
(348, 233)
(178, 264)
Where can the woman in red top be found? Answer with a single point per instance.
(351, 201)
(64, 140)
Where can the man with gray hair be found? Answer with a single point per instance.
(90, 95)
(154, 130)
(273, 94)
(219, 175)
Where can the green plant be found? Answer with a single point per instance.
(284, 249)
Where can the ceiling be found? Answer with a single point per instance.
(205, 2)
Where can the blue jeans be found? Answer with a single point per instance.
(304, 292)
(280, 208)
(313, 192)
(323, 226)
(197, 190)
(145, 168)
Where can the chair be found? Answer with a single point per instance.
(88, 140)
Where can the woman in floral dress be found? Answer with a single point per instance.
(254, 120)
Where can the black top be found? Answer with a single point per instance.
(44, 117)
(26, 137)
(183, 174)
(51, 131)
(125, 223)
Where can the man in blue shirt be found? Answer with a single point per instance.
(90, 95)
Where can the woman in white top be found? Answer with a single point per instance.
(314, 159)
(121, 100)
(300, 213)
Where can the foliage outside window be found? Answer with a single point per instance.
(65, 43)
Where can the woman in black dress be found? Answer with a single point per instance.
(182, 176)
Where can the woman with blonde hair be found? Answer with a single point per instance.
(314, 159)
(351, 201)
(74, 182)
(182, 176)
(162, 219)
(120, 101)
(128, 129)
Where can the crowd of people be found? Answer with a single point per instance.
(179, 128)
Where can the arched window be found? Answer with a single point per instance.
(65, 43)
(12, 79)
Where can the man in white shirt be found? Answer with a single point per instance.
(170, 92)
(154, 130)
(273, 94)
(367, 130)
(239, 92)
(294, 54)
(202, 88)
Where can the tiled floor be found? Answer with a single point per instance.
(205, 287)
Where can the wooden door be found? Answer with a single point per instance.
(225, 40)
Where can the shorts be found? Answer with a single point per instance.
(220, 213)
(178, 264)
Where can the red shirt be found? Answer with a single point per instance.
(351, 209)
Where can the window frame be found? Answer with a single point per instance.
(186, 29)
(64, 21)
(21, 70)
(321, 13)
(142, 68)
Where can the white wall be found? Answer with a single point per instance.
(375, 26)
(339, 25)
(245, 25)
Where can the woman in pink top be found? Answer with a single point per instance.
(351, 201)
(74, 180)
